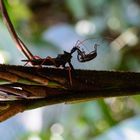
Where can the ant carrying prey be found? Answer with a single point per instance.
(63, 59)
(59, 60)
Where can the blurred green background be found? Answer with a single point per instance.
(51, 26)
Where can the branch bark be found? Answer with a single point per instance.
(31, 87)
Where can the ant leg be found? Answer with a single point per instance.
(70, 68)
(37, 57)
(44, 60)
(34, 58)
(50, 58)
(26, 63)
(69, 74)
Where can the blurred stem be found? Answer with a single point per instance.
(106, 112)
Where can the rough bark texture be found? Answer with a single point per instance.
(32, 87)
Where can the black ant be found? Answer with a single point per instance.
(60, 60)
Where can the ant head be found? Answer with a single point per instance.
(76, 46)
(66, 52)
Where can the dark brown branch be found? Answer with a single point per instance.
(87, 85)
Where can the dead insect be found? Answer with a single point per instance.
(82, 56)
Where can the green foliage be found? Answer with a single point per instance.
(87, 120)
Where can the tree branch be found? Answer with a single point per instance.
(32, 87)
